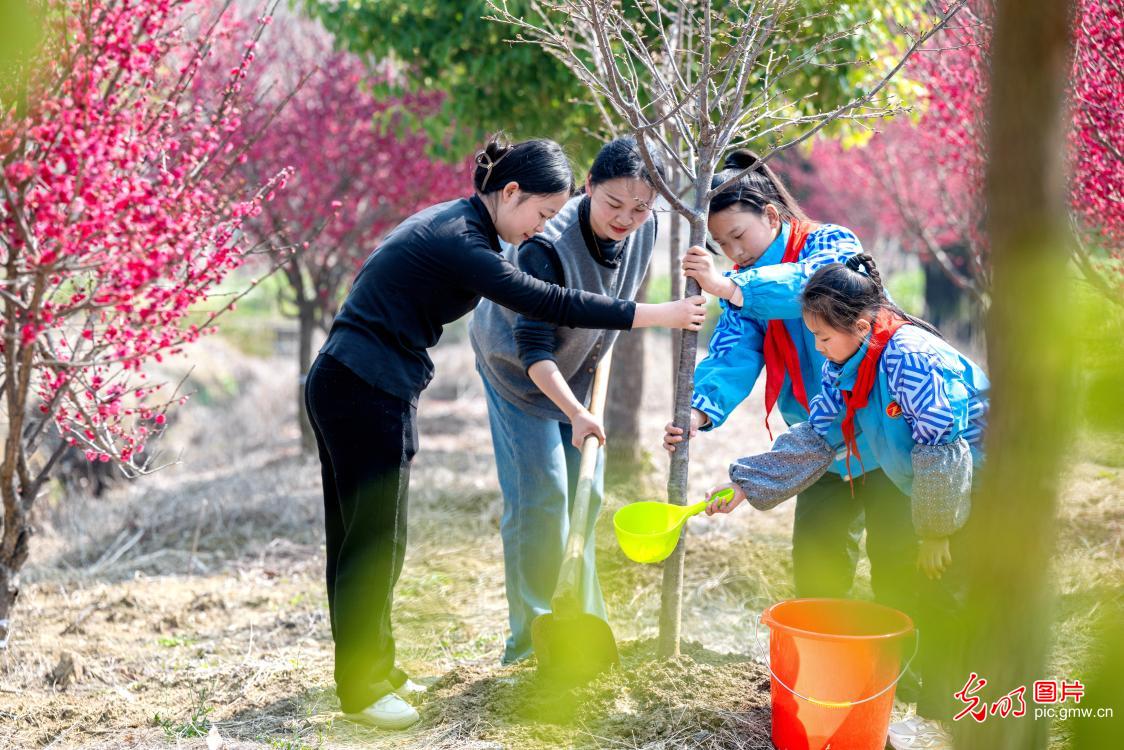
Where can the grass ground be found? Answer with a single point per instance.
(194, 599)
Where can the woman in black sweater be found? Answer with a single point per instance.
(362, 390)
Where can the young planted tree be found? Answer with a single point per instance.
(114, 221)
(356, 172)
(733, 86)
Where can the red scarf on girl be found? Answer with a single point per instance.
(886, 324)
(780, 352)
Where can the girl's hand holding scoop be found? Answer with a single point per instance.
(723, 498)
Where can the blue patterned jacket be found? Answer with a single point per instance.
(771, 290)
(923, 423)
(927, 393)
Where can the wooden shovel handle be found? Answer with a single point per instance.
(567, 593)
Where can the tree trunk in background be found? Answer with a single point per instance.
(624, 451)
(13, 554)
(671, 595)
(17, 526)
(1030, 365)
(947, 306)
(306, 318)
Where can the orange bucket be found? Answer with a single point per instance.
(834, 666)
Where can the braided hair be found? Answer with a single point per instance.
(840, 294)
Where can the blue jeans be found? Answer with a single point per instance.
(538, 472)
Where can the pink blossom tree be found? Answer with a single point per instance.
(923, 181)
(115, 220)
(1096, 142)
(359, 170)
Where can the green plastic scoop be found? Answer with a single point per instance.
(648, 531)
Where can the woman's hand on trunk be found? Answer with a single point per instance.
(689, 314)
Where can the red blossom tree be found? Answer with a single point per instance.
(1096, 141)
(115, 219)
(923, 181)
(358, 171)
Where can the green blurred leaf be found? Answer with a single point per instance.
(492, 84)
(20, 35)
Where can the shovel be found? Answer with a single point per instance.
(573, 646)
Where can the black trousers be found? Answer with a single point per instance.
(366, 439)
(826, 533)
(825, 550)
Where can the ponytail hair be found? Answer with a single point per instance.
(840, 294)
(755, 190)
(539, 166)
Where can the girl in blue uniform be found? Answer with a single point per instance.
(921, 406)
(776, 248)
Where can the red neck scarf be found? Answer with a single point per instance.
(886, 324)
(780, 352)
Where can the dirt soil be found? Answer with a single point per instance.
(700, 699)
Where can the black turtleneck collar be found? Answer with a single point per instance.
(486, 220)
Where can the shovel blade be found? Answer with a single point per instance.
(573, 650)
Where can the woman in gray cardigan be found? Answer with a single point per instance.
(538, 377)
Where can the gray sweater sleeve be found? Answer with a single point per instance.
(942, 488)
(799, 457)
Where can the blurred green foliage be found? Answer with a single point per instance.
(908, 290)
(1098, 334)
(493, 85)
(20, 35)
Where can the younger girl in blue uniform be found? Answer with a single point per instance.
(921, 405)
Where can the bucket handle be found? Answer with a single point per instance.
(834, 704)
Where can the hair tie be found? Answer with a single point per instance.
(483, 159)
(857, 264)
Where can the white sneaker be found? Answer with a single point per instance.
(916, 733)
(388, 712)
(907, 726)
(409, 688)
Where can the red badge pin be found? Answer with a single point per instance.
(893, 411)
